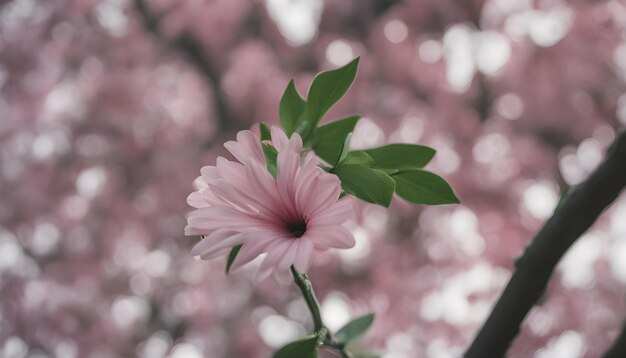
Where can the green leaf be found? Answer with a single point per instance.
(326, 89)
(422, 187)
(354, 328)
(270, 152)
(270, 157)
(231, 257)
(401, 156)
(368, 184)
(344, 150)
(359, 157)
(265, 132)
(327, 140)
(291, 108)
(303, 347)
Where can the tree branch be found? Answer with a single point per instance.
(576, 213)
(194, 52)
(618, 349)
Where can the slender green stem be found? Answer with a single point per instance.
(343, 352)
(305, 286)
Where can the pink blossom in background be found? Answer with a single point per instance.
(104, 125)
(288, 217)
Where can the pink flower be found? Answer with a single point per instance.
(288, 217)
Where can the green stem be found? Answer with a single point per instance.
(305, 286)
(338, 347)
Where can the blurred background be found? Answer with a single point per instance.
(108, 109)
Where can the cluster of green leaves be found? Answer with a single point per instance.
(306, 347)
(372, 175)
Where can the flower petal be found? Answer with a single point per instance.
(209, 174)
(262, 189)
(310, 160)
(192, 231)
(289, 257)
(336, 214)
(233, 197)
(279, 138)
(274, 253)
(288, 163)
(195, 200)
(231, 172)
(213, 218)
(327, 190)
(214, 244)
(331, 236)
(199, 183)
(247, 146)
(252, 248)
(303, 254)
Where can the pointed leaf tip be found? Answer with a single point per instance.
(422, 187)
(291, 108)
(327, 89)
(265, 132)
(231, 257)
(355, 328)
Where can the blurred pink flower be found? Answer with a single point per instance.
(288, 217)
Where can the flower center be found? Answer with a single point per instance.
(297, 228)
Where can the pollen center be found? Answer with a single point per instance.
(297, 228)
